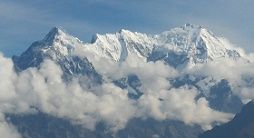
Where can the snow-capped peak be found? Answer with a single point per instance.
(57, 43)
(53, 34)
(181, 46)
(191, 44)
(117, 46)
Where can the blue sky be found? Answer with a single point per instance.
(25, 21)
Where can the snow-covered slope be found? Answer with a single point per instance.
(58, 46)
(179, 47)
(55, 45)
(188, 45)
(121, 44)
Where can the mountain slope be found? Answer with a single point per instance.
(120, 45)
(188, 45)
(58, 46)
(41, 125)
(241, 126)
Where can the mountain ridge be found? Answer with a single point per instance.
(177, 49)
(187, 44)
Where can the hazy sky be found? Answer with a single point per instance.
(25, 21)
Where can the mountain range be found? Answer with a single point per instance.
(182, 49)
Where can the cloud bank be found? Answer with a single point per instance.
(43, 89)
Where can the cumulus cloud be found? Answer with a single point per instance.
(43, 89)
(239, 73)
(180, 104)
(159, 100)
(50, 94)
(7, 92)
(8, 131)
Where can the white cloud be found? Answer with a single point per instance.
(239, 73)
(45, 90)
(180, 104)
(177, 104)
(7, 130)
